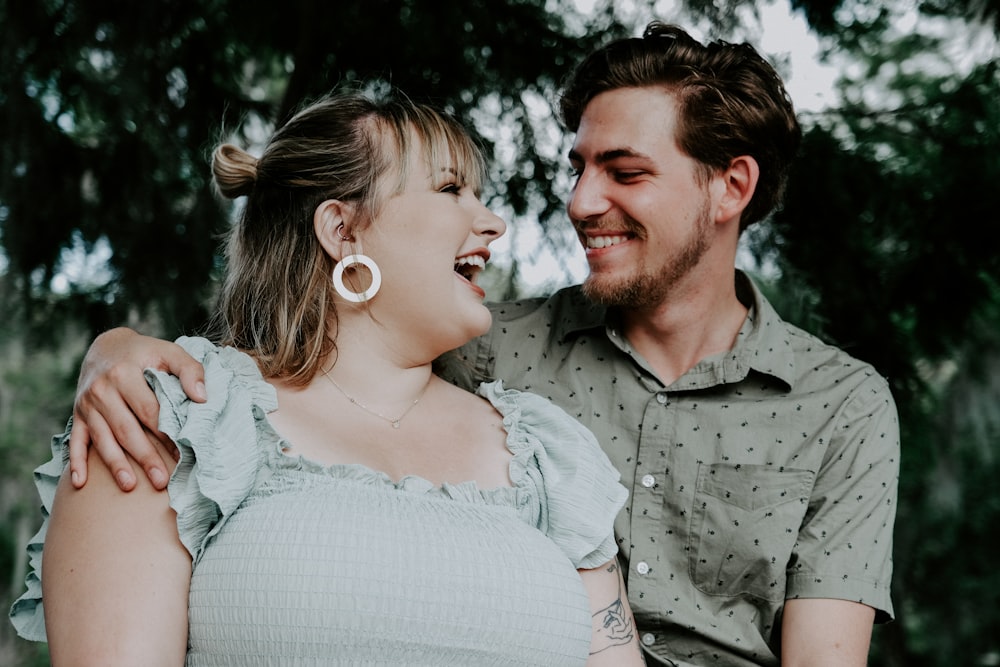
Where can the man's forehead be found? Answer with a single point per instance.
(626, 122)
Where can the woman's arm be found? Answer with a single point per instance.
(115, 574)
(615, 642)
(114, 404)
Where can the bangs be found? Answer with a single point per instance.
(400, 127)
(446, 145)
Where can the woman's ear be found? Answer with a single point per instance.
(331, 221)
(740, 182)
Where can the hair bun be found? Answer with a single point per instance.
(235, 171)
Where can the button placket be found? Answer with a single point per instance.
(649, 483)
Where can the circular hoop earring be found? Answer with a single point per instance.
(342, 289)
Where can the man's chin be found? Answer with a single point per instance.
(633, 294)
(605, 292)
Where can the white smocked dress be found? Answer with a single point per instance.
(297, 563)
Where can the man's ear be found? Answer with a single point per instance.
(331, 223)
(739, 184)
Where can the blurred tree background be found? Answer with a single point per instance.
(108, 111)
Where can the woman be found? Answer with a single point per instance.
(334, 501)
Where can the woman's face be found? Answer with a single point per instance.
(430, 241)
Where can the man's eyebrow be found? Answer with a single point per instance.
(607, 156)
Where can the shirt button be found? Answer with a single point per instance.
(648, 638)
(648, 481)
(661, 398)
(642, 567)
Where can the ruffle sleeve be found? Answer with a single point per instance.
(578, 487)
(26, 613)
(220, 458)
(221, 452)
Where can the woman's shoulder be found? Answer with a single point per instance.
(531, 419)
(560, 459)
(230, 375)
(221, 442)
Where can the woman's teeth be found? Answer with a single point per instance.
(467, 266)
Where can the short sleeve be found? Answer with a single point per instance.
(578, 487)
(844, 547)
(221, 451)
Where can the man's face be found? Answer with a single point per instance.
(642, 213)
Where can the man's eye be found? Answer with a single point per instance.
(627, 175)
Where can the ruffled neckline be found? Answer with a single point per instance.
(522, 445)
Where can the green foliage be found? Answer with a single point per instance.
(38, 368)
(828, 16)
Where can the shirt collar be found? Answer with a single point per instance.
(763, 343)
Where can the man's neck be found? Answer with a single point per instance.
(693, 323)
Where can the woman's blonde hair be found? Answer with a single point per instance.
(276, 301)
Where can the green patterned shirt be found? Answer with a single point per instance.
(765, 473)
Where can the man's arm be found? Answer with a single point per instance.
(849, 533)
(114, 403)
(824, 632)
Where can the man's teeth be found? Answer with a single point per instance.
(604, 241)
(470, 260)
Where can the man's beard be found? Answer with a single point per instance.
(646, 290)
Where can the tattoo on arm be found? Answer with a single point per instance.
(612, 626)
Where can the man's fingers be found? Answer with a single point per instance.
(112, 439)
(115, 407)
(191, 373)
(128, 435)
(124, 398)
(113, 456)
(79, 443)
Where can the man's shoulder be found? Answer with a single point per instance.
(553, 317)
(567, 299)
(818, 360)
(800, 357)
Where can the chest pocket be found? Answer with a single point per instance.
(745, 522)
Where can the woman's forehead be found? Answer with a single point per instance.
(430, 151)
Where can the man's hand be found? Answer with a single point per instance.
(113, 404)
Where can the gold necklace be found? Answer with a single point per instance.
(394, 422)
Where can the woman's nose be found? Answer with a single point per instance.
(488, 224)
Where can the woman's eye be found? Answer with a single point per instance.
(451, 188)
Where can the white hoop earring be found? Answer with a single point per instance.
(347, 294)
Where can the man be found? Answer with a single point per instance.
(762, 462)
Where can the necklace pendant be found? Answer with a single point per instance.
(354, 401)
